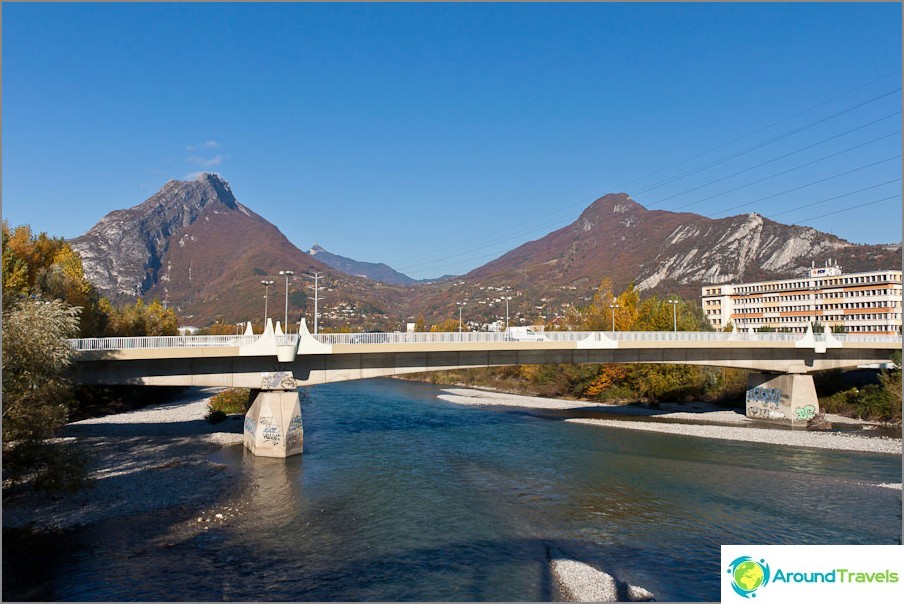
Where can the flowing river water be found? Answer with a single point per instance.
(401, 496)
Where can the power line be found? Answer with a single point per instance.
(809, 184)
(763, 128)
(862, 205)
(774, 159)
(816, 203)
(804, 165)
(768, 142)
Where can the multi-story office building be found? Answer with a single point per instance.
(854, 303)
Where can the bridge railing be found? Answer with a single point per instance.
(87, 344)
(866, 338)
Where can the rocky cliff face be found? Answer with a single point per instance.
(122, 254)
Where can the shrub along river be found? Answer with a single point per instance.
(401, 496)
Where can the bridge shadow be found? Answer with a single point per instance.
(233, 424)
(704, 414)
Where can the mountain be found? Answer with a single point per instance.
(368, 270)
(676, 252)
(195, 246)
(662, 252)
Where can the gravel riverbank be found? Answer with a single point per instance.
(140, 461)
(700, 420)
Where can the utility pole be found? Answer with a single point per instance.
(287, 274)
(316, 276)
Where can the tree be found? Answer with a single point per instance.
(890, 379)
(141, 320)
(47, 267)
(448, 325)
(628, 313)
(37, 391)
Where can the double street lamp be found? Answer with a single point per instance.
(316, 276)
(287, 274)
(266, 285)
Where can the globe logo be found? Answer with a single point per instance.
(748, 575)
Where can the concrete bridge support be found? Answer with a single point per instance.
(785, 398)
(273, 425)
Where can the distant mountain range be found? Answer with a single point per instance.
(368, 270)
(194, 245)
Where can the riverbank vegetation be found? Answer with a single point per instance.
(879, 401)
(46, 299)
(231, 400)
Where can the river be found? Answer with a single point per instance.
(401, 496)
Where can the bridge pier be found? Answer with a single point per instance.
(788, 398)
(273, 425)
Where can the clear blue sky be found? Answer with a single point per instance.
(435, 137)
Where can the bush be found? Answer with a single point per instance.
(215, 417)
(233, 400)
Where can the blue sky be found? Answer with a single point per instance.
(435, 137)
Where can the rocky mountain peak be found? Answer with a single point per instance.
(121, 253)
(610, 210)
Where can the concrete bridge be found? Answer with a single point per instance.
(275, 364)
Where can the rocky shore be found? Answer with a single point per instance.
(144, 460)
(700, 420)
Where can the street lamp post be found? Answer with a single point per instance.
(267, 285)
(674, 304)
(507, 298)
(460, 304)
(316, 292)
(287, 274)
(613, 307)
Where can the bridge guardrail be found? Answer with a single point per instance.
(100, 344)
(88, 344)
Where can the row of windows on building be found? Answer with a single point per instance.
(834, 281)
(859, 293)
(820, 296)
(863, 317)
(855, 280)
(874, 304)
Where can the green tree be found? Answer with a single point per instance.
(37, 392)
